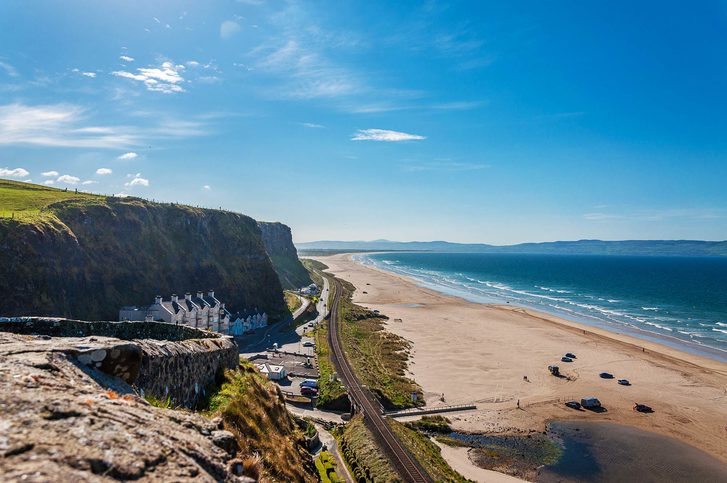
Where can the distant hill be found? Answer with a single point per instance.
(84, 256)
(579, 247)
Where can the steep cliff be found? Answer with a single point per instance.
(87, 256)
(279, 245)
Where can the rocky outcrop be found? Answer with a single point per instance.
(61, 420)
(86, 259)
(178, 364)
(278, 242)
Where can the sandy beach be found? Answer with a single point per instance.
(479, 354)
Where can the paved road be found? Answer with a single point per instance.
(405, 464)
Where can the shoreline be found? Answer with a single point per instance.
(653, 346)
(634, 335)
(485, 350)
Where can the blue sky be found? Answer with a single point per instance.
(495, 122)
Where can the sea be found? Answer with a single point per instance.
(676, 301)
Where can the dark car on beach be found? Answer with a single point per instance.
(573, 404)
(571, 355)
(606, 375)
(566, 359)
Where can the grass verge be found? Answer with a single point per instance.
(363, 457)
(426, 452)
(380, 358)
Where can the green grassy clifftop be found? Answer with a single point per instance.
(84, 256)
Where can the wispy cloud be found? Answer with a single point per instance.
(128, 156)
(92, 75)
(384, 135)
(654, 215)
(88, 182)
(207, 187)
(66, 125)
(228, 29)
(165, 79)
(57, 125)
(312, 125)
(68, 179)
(126, 58)
(443, 165)
(49, 182)
(14, 172)
(10, 71)
(103, 171)
(49, 174)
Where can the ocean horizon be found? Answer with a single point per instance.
(680, 302)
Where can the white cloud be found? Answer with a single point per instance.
(103, 171)
(14, 172)
(384, 135)
(68, 179)
(206, 187)
(312, 125)
(127, 156)
(48, 182)
(50, 174)
(89, 181)
(228, 29)
(92, 75)
(137, 181)
(165, 78)
(126, 58)
(57, 125)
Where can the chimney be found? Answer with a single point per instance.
(211, 293)
(158, 300)
(188, 296)
(199, 294)
(175, 298)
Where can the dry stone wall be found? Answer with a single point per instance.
(162, 360)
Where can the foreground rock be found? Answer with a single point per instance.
(61, 420)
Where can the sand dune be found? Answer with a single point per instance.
(475, 353)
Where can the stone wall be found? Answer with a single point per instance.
(161, 360)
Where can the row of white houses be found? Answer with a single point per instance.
(200, 311)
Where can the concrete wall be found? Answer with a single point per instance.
(162, 360)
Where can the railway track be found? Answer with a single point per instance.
(404, 463)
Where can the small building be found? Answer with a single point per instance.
(273, 371)
(202, 312)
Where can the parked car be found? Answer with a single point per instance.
(606, 375)
(591, 403)
(309, 383)
(571, 355)
(566, 359)
(309, 391)
(624, 382)
(573, 404)
(642, 408)
(309, 344)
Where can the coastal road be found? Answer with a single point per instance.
(404, 463)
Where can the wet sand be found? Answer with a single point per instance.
(476, 353)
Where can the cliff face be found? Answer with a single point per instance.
(94, 256)
(278, 242)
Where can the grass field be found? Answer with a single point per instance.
(27, 202)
